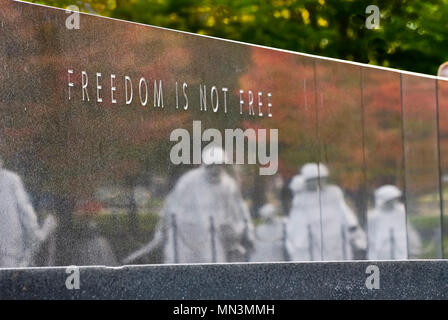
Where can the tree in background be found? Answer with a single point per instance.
(412, 34)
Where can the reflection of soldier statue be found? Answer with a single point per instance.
(443, 70)
(321, 225)
(204, 218)
(20, 234)
(270, 237)
(387, 232)
(92, 248)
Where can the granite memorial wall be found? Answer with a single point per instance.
(123, 143)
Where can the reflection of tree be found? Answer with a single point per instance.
(290, 79)
(340, 115)
(422, 160)
(443, 124)
(443, 135)
(67, 149)
(420, 135)
(411, 36)
(340, 122)
(383, 128)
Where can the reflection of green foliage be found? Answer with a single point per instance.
(425, 223)
(445, 246)
(429, 250)
(429, 198)
(115, 228)
(106, 223)
(114, 225)
(426, 227)
(412, 33)
(104, 7)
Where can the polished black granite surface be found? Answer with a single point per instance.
(327, 280)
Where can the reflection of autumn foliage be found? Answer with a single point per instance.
(68, 148)
(420, 135)
(340, 116)
(353, 131)
(42, 133)
(290, 79)
(443, 125)
(340, 122)
(383, 128)
(89, 207)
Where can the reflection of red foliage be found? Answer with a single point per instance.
(332, 130)
(68, 148)
(89, 207)
(285, 75)
(420, 134)
(382, 123)
(443, 124)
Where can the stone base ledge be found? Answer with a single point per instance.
(416, 279)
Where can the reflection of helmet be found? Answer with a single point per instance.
(314, 171)
(297, 183)
(267, 211)
(386, 193)
(213, 155)
(443, 70)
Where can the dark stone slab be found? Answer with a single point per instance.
(326, 280)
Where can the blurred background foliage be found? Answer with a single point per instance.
(412, 34)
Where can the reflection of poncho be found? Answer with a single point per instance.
(269, 242)
(387, 234)
(19, 230)
(192, 202)
(94, 251)
(304, 227)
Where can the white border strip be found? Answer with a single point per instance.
(250, 44)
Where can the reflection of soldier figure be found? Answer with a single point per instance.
(387, 227)
(204, 218)
(270, 237)
(20, 235)
(92, 248)
(322, 226)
